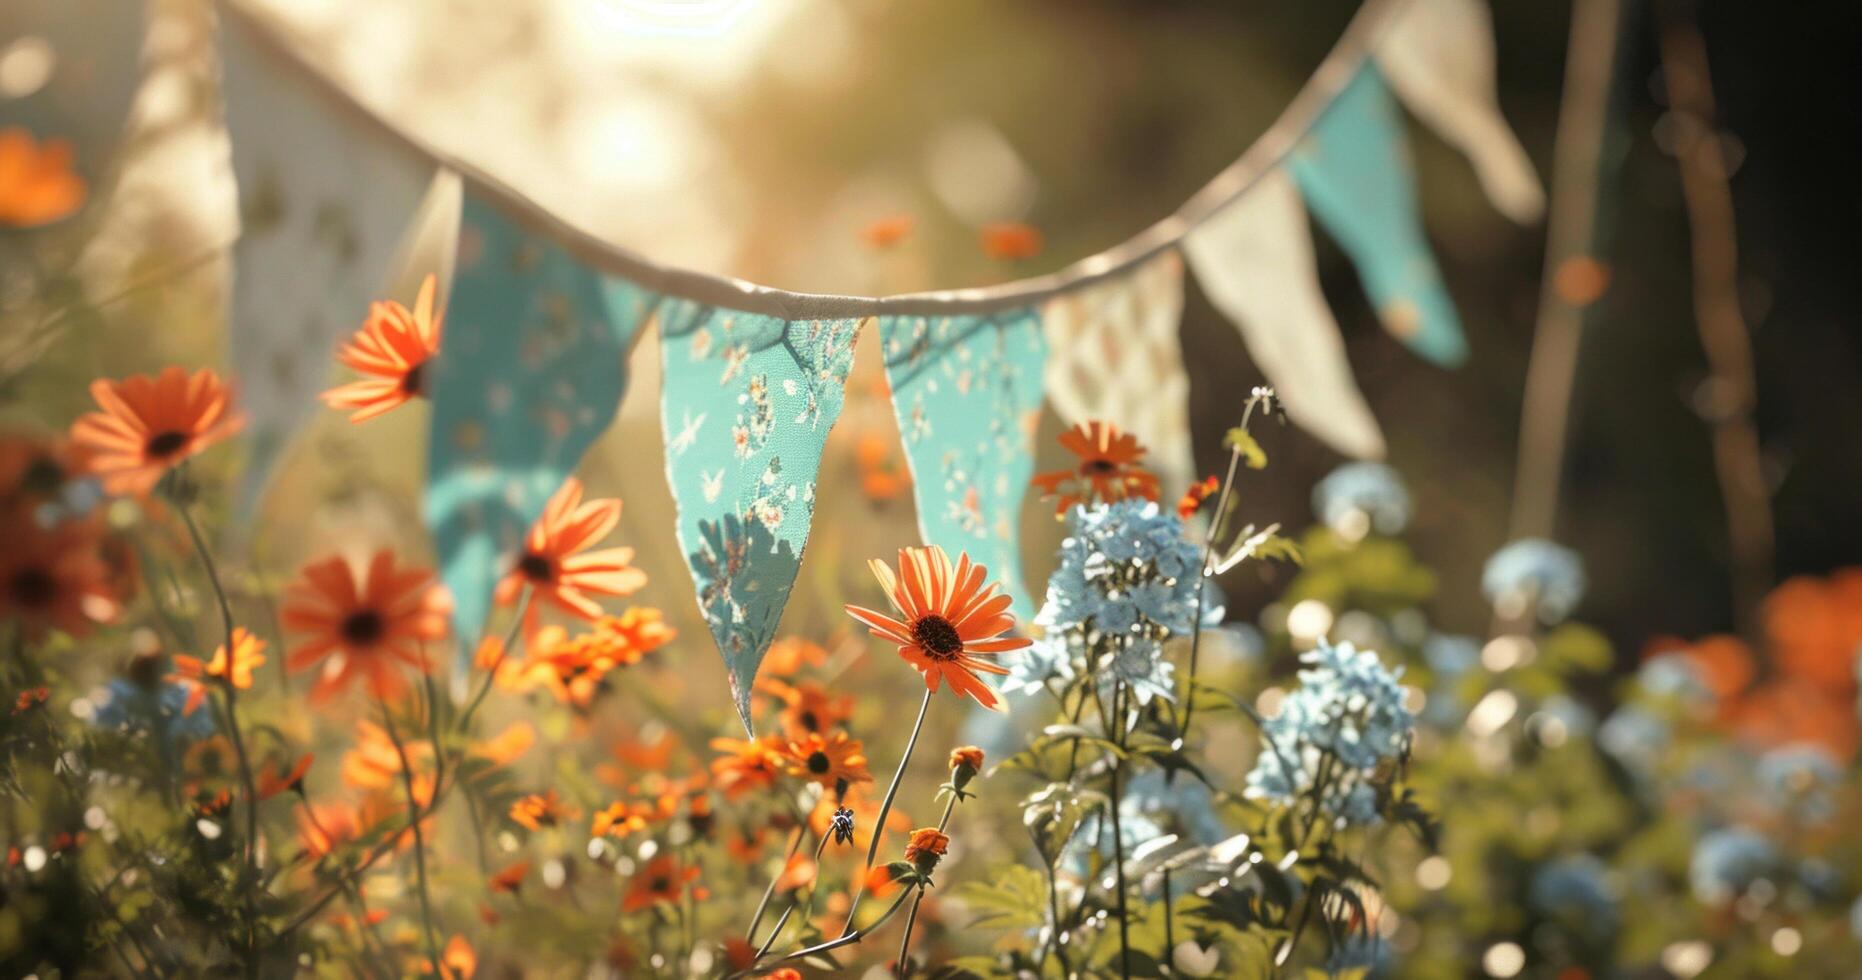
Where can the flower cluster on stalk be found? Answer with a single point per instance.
(1126, 583)
(1332, 733)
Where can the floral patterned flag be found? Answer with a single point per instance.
(1116, 357)
(324, 202)
(1438, 56)
(746, 402)
(967, 394)
(1354, 170)
(532, 365)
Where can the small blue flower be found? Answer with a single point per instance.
(1577, 720)
(1635, 738)
(1673, 675)
(1799, 779)
(1451, 655)
(1727, 861)
(1348, 705)
(1533, 573)
(1143, 670)
(1360, 497)
(1575, 887)
(159, 710)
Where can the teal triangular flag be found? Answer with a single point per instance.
(1354, 171)
(746, 402)
(967, 394)
(532, 365)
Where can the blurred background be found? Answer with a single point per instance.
(758, 140)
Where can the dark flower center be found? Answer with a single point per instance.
(43, 476)
(1099, 467)
(165, 443)
(34, 588)
(818, 763)
(363, 627)
(414, 382)
(938, 637)
(536, 568)
(661, 884)
(809, 721)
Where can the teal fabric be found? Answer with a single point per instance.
(746, 404)
(1355, 173)
(532, 365)
(967, 393)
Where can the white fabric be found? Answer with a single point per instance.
(1254, 260)
(324, 201)
(1438, 56)
(1113, 355)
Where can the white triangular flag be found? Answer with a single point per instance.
(1254, 260)
(1438, 55)
(325, 198)
(1113, 355)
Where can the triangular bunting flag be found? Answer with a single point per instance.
(323, 203)
(1254, 261)
(1438, 56)
(967, 394)
(746, 404)
(1354, 170)
(532, 365)
(1114, 355)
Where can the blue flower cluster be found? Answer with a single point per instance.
(1126, 583)
(1727, 861)
(1800, 779)
(1575, 887)
(159, 710)
(1534, 573)
(1361, 497)
(1348, 705)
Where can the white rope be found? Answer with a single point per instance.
(1348, 55)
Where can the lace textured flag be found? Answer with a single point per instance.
(1438, 56)
(746, 404)
(1354, 170)
(967, 393)
(1254, 261)
(1114, 355)
(323, 206)
(532, 365)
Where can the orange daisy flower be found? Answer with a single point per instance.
(1192, 499)
(373, 762)
(620, 819)
(807, 707)
(537, 811)
(661, 881)
(363, 625)
(747, 765)
(883, 233)
(883, 475)
(53, 578)
(235, 669)
(392, 348)
(457, 960)
(1108, 468)
(831, 761)
(37, 186)
(790, 654)
(288, 777)
(35, 469)
(324, 827)
(797, 872)
(925, 847)
(573, 668)
(510, 879)
(554, 564)
(947, 617)
(149, 423)
(503, 748)
(1010, 241)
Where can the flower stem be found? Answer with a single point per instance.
(885, 808)
(911, 917)
(1202, 582)
(756, 918)
(846, 939)
(491, 672)
(251, 871)
(414, 817)
(1118, 846)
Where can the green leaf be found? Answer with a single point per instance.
(1013, 898)
(1239, 440)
